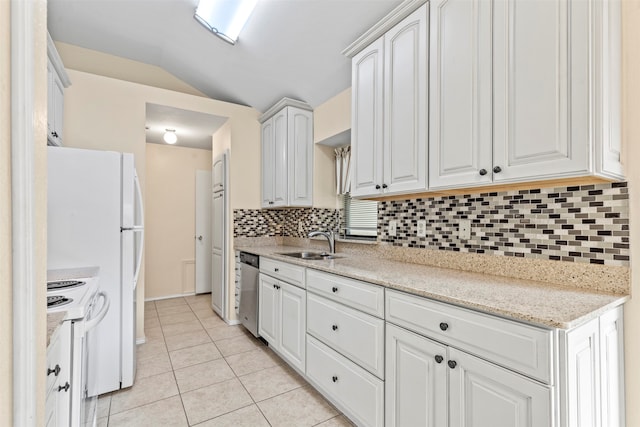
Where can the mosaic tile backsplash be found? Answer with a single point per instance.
(296, 222)
(588, 223)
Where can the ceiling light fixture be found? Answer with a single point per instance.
(224, 18)
(170, 136)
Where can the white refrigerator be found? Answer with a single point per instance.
(95, 217)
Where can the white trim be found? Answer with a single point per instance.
(187, 294)
(56, 61)
(284, 102)
(141, 340)
(403, 10)
(25, 304)
(228, 216)
(232, 322)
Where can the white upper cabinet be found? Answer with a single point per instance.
(526, 91)
(57, 81)
(389, 110)
(287, 155)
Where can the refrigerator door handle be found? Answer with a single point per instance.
(139, 229)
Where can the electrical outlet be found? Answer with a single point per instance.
(300, 227)
(464, 230)
(393, 225)
(422, 228)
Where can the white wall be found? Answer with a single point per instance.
(170, 203)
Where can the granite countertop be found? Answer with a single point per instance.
(53, 321)
(542, 304)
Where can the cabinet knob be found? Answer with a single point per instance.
(334, 327)
(452, 364)
(277, 286)
(54, 371)
(377, 187)
(384, 185)
(439, 359)
(274, 287)
(334, 379)
(65, 387)
(497, 169)
(444, 326)
(276, 269)
(334, 289)
(482, 172)
(54, 134)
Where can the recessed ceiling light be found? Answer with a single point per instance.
(225, 18)
(170, 136)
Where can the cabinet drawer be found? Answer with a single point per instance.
(354, 293)
(355, 391)
(358, 336)
(517, 346)
(290, 273)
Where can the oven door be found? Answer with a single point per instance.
(89, 398)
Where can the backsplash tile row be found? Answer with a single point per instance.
(588, 223)
(296, 222)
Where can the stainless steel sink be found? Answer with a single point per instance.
(313, 256)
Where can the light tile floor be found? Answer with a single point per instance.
(194, 369)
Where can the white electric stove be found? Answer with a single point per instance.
(77, 293)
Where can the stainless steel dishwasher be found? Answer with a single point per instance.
(248, 307)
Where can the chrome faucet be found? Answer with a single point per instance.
(330, 236)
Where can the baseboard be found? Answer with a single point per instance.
(232, 322)
(141, 340)
(189, 294)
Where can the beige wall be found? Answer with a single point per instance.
(170, 227)
(103, 64)
(631, 140)
(329, 119)
(108, 114)
(6, 302)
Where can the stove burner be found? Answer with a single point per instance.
(63, 284)
(57, 301)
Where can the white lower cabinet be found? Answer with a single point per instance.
(57, 401)
(354, 390)
(282, 319)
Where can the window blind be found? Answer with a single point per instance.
(361, 217)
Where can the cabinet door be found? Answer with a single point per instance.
(612, 368)
(460, 93)
(293, 306)
(217, 283)
(279, 166)
(405, 99)
(541, 95)
(58, 107)
(583, 382)
(269, 311)
(268, 167)
(416, 383)
(300, 157)
(366, 116)
(484, 395)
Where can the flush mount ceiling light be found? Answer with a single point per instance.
(170, 136)
(225, 18)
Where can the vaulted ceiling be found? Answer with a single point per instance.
(288, 48)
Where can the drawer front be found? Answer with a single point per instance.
(514, 345)
(290, 273)
(354, 293)
(358, 336)
(355, 391)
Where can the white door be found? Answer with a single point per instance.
(293, 324)
(203, 231)
(612, 368)
(267, 163)
(367, 116)
(460, 93)
(269, 310)
(484, 395)
(405, 99)
(217, 265)
(300, 152)
(541, 94)
(416, 380)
